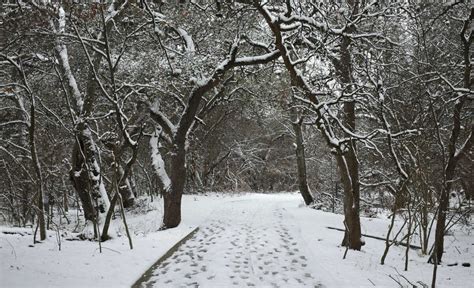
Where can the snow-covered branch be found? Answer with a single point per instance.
(63, 59)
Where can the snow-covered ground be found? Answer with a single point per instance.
(248, 240)
(79, 263)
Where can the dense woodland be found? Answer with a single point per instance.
(358, 105)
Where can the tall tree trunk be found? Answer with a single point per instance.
(37, 167)
(349, 169)
(348, 163)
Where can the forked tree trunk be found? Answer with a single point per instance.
(85, 174)
(178, 135)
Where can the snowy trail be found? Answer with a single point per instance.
(250, 242)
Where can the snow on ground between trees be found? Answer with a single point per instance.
(79, 263)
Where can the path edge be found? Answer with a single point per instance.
(148, 273)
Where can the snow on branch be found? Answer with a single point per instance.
(188, 40)
(260, 59)
(116, 8)
(466, 145)
(295, 20)
(162, 120)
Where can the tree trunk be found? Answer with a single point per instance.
(127, 194)
(442, 210)
(352, 236)
(125, 190)
(348, 163)
(86, 175)
(79, 179)
(301, 161)
(349, 169)
(37, 168)
(172, 211)
(65, 194)
(172, 198)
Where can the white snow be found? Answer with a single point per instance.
(251, 239)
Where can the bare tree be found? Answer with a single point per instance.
(454, 153)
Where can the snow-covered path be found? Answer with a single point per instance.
(247, 239)
(245, 242)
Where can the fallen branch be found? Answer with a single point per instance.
(380, 238)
